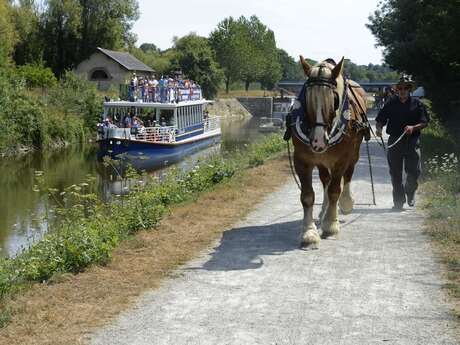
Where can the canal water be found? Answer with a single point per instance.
(22, 209)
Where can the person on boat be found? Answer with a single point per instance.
(405, 117)
(142, 88)
(133, 87)
(128, 121)
(161, 84)
(108, 122)
(137, 122)
(151, 93)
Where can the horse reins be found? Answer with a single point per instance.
(292, 167)
(366, 120)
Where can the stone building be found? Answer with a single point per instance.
(111, 68)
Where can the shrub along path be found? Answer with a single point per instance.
(377, 283)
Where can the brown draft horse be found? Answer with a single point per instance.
(324, 99)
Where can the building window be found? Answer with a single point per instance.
(99, 74)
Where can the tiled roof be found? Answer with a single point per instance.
(126, 60)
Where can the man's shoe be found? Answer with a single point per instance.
(397, 207)
(411, 200)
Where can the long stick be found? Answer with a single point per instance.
(370, 171)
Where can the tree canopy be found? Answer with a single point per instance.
(197, 61)
(421, 38)
(62, 33)
(7, 31)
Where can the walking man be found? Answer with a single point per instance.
(405, 117)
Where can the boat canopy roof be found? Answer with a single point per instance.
(127, 104)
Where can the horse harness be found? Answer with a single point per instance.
(296, 121)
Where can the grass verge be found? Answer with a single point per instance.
(441, 201)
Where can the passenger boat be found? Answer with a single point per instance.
(171, 130)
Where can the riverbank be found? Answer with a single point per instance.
(69, 306)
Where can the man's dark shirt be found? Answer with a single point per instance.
(397, 115)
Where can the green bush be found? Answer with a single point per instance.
(67, 113)
(74, 95)
(36, 75)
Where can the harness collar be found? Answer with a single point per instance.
(340, 123)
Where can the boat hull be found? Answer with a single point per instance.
(145, 155)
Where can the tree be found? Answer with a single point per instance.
(229, 46)
(29, 48)
(149, 48)
(62, 32)
(421, 38)
(290, 69)
(108, 24)
(8, 34)
(197, 60)
(253, 40)
(260, 53)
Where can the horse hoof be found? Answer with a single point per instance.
(330, 229)
(309, 246)
(310, 240)
(346, 207)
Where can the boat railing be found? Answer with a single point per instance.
(211, 123)
(113, 133)
(157, 134)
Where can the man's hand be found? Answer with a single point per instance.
(378, 130)
(409, 130)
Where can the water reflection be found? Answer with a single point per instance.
(22, 210)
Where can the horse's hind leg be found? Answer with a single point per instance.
(330, 223)
(346, 201)
(310, 235)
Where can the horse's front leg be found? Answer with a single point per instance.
(330, 223)
(310, 236)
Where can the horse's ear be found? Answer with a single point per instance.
(338, 69)
(305, 65)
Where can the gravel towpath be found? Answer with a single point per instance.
(377, 283)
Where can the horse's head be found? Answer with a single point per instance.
(324, 92)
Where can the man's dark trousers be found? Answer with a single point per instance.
(405, 154)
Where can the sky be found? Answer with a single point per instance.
(315, 29)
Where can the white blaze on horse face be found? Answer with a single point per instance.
(319, 142)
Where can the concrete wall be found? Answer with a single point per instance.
(258, 106)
